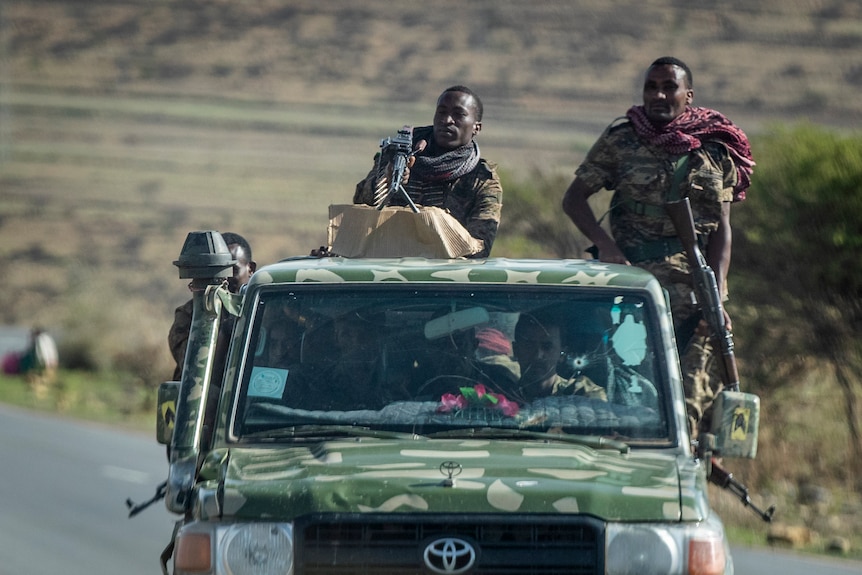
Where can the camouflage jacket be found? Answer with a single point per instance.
(475, 200)
(641, 176)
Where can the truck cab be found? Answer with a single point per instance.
(453, 416)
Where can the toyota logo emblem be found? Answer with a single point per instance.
(449, 555)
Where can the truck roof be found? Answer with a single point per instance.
(492, 270)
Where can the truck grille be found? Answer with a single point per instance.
(396, 544)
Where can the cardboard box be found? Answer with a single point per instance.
(360, 231)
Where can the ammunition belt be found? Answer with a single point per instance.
(643, 209)
(653, 250)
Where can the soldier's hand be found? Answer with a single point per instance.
(610, 253)
(704, 330)
(411, 159)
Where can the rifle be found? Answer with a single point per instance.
(135, 509)
(724, 479)
(398, 150)
(709, 299)
(705, 288)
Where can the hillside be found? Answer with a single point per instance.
(127, 123)
(773, 58)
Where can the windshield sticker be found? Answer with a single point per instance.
(267, 382)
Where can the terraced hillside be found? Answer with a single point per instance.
(127, 123)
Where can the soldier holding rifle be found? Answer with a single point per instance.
(663, 151)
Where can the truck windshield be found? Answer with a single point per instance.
(427, 359)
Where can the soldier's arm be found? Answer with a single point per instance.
(719, 243)
(484, 218)
(719, 247)
(579, 211)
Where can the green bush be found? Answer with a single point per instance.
(804, 212)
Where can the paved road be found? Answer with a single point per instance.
(766, 562)
(63, 485)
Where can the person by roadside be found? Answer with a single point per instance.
(39, 361)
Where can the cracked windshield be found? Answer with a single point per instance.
(429, 361)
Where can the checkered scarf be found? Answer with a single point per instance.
(435, 165)
(690, 129)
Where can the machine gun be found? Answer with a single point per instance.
(134, 509)
(397, 151)
(705, 288)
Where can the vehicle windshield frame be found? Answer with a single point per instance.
(423, 292)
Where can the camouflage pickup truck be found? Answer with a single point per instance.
(413, 415)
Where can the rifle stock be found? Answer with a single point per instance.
(134, 508)
(705, 288)
(724, 479)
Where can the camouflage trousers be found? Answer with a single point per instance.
(702, 382)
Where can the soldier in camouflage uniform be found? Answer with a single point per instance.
(538, 348)
(447, 170)
(178, 336)
(661, 151)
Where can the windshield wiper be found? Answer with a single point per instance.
(315, 430)
(593, 441)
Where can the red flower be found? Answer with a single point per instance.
(451, 402)
(477, 396)
(509, 408)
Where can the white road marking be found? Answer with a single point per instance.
(123, 474)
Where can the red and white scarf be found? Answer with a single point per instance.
(690, 130)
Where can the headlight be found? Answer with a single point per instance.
(667, 549)
(234, 549)
(642, 550)
(258, 549)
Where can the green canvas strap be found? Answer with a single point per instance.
(679, 169)
(673, 194)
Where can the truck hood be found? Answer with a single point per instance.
(383, 476)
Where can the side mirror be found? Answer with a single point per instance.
(735, 424)
(166, 411)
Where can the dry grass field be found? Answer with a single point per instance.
(125, 124)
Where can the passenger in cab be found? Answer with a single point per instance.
(538, 349)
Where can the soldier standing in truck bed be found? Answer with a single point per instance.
(447, 170)
(661, 151)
